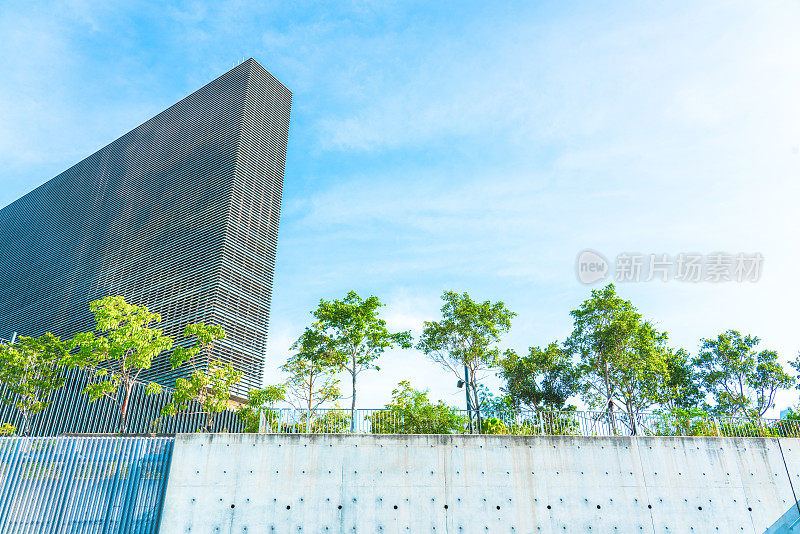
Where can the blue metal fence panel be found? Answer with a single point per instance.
(103, 485)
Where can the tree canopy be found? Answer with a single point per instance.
(353, 336)
(261, 401)
(466, 340)
(30, 370)
(742, 380)
(412, 412)
(623, 357)
(544, 379)
(122, 346)
(311, 372)
(210, 381)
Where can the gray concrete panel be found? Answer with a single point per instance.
(462, 484)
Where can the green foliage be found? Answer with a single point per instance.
(644, 369)
(121, 347)
(208, 385)
(744, 428)
(543, 423)
(30, 370)
(311, 369)
(561, 423)
(622, 357)
(7, 429)
(353, 336)
(493, 425)
(330, 422)
(742, 381)
(412, 412)
(789, 425)
(679, 421)
(261, 401)
(542, 380)
(467, 336)
(502, 407)
(792, 415)
(682, 388)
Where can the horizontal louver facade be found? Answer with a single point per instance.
(180, 215)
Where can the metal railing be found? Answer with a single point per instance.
(71, 412)
(567, 423)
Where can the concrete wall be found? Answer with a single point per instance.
(243, 483)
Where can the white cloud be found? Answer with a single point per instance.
(479, 150)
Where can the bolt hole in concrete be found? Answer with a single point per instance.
(233, 506)
(445, 507)
(498, 507)
(395, 507)
(288, 507)
(340, 507)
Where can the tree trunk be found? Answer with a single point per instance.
(476, 406)
(209, 421)
(353, 403)
(309, 401)
(609, 396)
(24, 429)
(611, 416)
(123, 413)
(632, 417)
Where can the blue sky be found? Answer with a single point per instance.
(462, 145)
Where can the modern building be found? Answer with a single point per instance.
(180, 215)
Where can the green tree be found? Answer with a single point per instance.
(742, 380)
(682, 389)
(30, 370)
(121, 347)
(543, 380)
(643, 371)
(622, 356)
(311, 373)
(354, 336)
(261, 401)
(210, 381)
(465, 340)
(412, 412)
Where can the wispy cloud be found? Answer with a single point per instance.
(458, 146)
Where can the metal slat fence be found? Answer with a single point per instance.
(70, 412)
(83, 484)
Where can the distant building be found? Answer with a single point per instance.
(180, 215)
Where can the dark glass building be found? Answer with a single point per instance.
(180, 215)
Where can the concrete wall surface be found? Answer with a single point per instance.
(249, 483)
